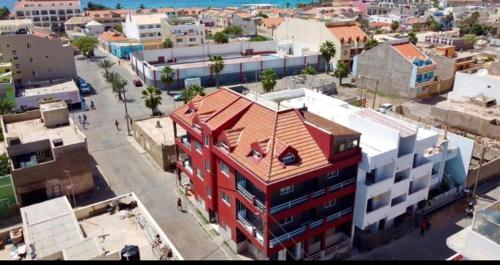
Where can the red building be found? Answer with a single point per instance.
(279, 183)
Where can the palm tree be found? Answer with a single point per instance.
(187, 95)
(328, 51)
(152, 98)
(268, 80)
(197, 90)
(6, 106)
(216, 66)
(106, 65)
(371, 43)
(167, 77)
(412, 37)
(394, 25)
(429, 21)
(448, 20)
(167, 43)
(118, 84)
(341, 71)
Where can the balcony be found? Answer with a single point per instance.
(376, 214)
(329, 251)
(421, 170)
(372, 188)
(186, 140)
(313, 195)
(185, 162)
(400, 185)
(404, 162)
(251, 228)
(418, 195)
(241, 187)
(309, 225)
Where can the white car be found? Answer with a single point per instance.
(384, 108)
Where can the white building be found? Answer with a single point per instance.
(30, 98)
(481, 83)
(12, 26)
(401, 161)
(384, 19)
(94, 29)
(183, 31)
(481, 240)
(144, 27)
(48, 14)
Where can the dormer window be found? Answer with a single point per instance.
(256, 154)
(224, 146)
(197, 126)
(288, 158)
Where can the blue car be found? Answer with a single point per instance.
(85, 88)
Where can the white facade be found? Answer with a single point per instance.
(144, 27)
(481, 83)
(94, 28)
(47, 13)
(183, 32)
(384, 19)
(400, 163)
(11, 26)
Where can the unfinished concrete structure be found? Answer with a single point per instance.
(156, 136)
(52, 230)
(398, 67)
(48, 154)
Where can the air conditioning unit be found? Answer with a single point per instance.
(57, 142)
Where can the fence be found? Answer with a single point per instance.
(7, 196)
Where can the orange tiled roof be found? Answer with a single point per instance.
(112, 36)
(378, 24)
(272, 22)
(271, 131)
(409, 51)
(244, 15)
(347, 31)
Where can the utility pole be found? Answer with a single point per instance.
(375, 96)
(127, 118)
(478, 171)
(361, 91)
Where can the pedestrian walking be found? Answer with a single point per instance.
(119, 62)
(117, 125)
(84, 118)
(423, 226)
(130, 120)
(80, 119)
(179, 204)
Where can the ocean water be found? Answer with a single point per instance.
(177, 3)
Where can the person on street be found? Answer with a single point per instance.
(84, 118)
(80, 119)
(117, 125)
(179, 204)
(423, 226)
(92, 106)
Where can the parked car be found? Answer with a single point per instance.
(85, 88)
(384, 108)
(137, 83)
(178, 97)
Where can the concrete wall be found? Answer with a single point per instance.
(488, 171)
(384, 64)
(472, 85)
(46, 58)
(163, 155)
(445, 69)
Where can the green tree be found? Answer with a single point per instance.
(167, 43)
(448, 20)
(328, 51)
(142, 6)
(118, 28)
(470, 39)
(258, 38)
(309, 70)
(6, 106)
(220, 37)
(118, 6)
(370, 43)
(190, 92)
(152, 98)
(412, 37)
(342, 71)
(216, 66)
(118, 84)
(394, 26)
(4, 165)
(4, 13)
(260, 14)
(106, 65)
(167, 77)
(86, 45)
(233, 31)
(92, 6)
(435, 3)
(268, 80)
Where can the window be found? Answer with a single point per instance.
(286, 189)
(199, 174)
(28, 45)
(330, 203)
(209, 192)
(224, 168)
(288, 158)
(355, 143)
(198, 146)
(341, 148)
(192, 39)
(226, 198)
(287, 220)
(207, 165)
(207, 140)
(256, 154)
(332, 174)
(179, 40)
(224, 146)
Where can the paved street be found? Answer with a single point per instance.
(444, 223)
(127, 170)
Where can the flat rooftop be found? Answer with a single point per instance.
(330, 126)
(199, 61)
(160, 135)
(53, 230)
(68, 86)
(385, 121)
(34, 130)
(470, 108)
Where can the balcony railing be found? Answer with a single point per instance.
(317, 223)
(329, 251)
(249, 196)
(186, 141)
(333, 188)
(252, 229)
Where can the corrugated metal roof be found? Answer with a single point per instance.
(49, 227)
